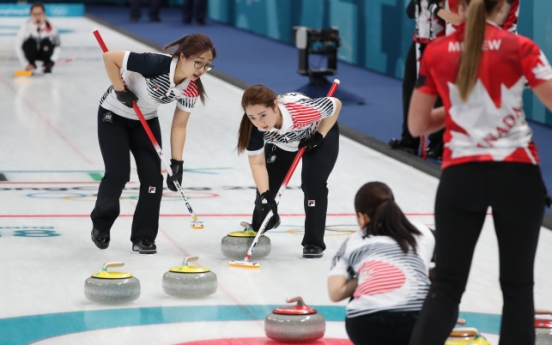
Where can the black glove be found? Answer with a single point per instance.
(177, 168)
(126, 97)
(312, 142)
(548, 201)
(268, 203)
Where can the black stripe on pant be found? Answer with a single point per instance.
(393, 328)
(516, 194)
(318, 163)
(117, 140)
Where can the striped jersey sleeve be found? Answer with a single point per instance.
(306, 111)
(188, 97)
(149, 65)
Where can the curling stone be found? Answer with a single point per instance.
(189, 281)
(112, 287)
(466, 336)
(295, 324)
(543, 328)
(236, 244)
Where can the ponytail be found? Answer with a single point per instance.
(244, 133)
(192, 45)
(474, 37)
(375, 199)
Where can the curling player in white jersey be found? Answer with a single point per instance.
(150, 79)
(272, 130)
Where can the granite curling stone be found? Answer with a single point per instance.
(112, 287)
(189, 281)
(466, 336)
(543, 328)
(236, 244)
(295, 324)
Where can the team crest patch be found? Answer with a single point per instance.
(151, 190)
(310, 203)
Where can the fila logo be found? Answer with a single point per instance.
(151, 190)
(311, 203)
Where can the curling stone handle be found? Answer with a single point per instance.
(543, 312)
(461, 321)
(189, 259)
(113, 264)
(297, 299)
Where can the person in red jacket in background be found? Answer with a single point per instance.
(489, 160)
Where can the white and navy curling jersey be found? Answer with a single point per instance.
(151, 77)
(388, 279)
(30, 30)
(300, 118)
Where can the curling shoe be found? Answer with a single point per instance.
(410, 147)
(145, 246)
(312, 251)
(101, 240)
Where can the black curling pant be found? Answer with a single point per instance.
(117, 139)
(318, 163)
(393, 328)
(516, 194)
(40, 50)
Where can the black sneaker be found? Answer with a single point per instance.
(145, 246)
(48, 66)
(404, 145)
(312, 251)
(101, 240)
(435, 152)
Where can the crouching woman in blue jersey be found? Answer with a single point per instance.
(383, 269)
(285, 123)
(150, 79)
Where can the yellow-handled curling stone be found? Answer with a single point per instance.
(236, 244)
(543, 327)
(112, 287)
(466, 336)
(295, 324)
(189, 281)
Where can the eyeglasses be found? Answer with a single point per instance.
(200, 65)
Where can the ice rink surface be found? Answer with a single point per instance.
(51, 164)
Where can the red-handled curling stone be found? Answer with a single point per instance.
(543, 327)
(296, 324)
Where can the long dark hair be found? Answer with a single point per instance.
(256, 94)
(474, 37)
(192, 45)
(375, 199)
